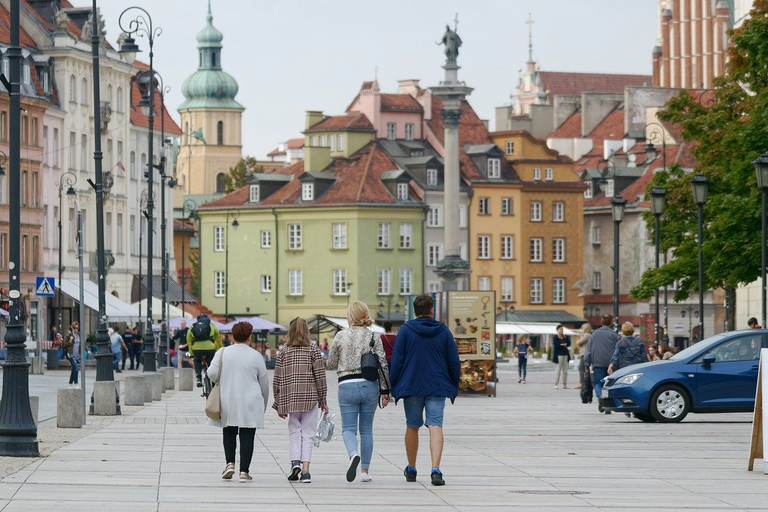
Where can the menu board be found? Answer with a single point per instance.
(471, 318)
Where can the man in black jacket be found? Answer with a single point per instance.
(599, 352)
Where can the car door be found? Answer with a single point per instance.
(730, 381)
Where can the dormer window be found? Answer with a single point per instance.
(608, 189)
(510, 147)
(391, 131)
(402, 191)
(307, 191)
(432, 177)
(254, 196)
(588, 191)
(409, 131)
(548, 174)
(494, 168)
(536, 174)
(322, 141)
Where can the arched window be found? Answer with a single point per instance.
(109, 94)
(84, 92)
(133, 165)
(220, 133)
(220, 183)
(119, 100)
(72, 89)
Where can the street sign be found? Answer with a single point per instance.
(45, 286)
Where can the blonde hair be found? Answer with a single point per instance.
(586, 329)
(298, 333)
(523, 338)
(358, 314)
(627, 329)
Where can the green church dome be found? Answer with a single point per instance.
(210, 86)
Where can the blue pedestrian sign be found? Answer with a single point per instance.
(45, 286)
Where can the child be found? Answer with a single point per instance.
(299, 388)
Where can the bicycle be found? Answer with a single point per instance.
(207, 383)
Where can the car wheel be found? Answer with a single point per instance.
(645, 418)
(670, 404)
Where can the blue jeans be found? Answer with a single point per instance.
(73, 374)
(599, 373)
(522, 367)
(358, 402)
(116, 360)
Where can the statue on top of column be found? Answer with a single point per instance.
(452, 42)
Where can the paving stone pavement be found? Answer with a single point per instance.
(530, 448)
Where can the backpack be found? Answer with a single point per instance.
(201, 332)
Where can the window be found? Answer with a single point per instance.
(120, 155)
(72, 143)
(597, 281)
(484, 247)
(402, 191)
(119, 233)
(3, 126)
(507, 289)
(119, 101)
(34, 190)
(219, 286)
(307, 191)
(72, 230)
(26, 73)
(295, 278)
(558, 250)
(266, 283)
(218, 238)
(536, 249)
(483, 283)
(46, 227)
(339, 235)
(462, 216)
(406, 235)
(406, 281)
(435, 216)
(109, 94)
(510, 147)
(3, 190)
(536, 174)
(409, 131)
(72, 89)
(432, 177)
(537, 292)
(558, 211)
(608, 191)
(220, 133)
(340, 142)
(108, 231)
(434, 254)
(494, 168)
(24, 252)
(558, 290)
(548, 174)
(391, 127)
(507, 206)
(24, 180)
(332, 142)
(463, 251)
(433, 286)
(220, 188)
(33, 133)
(322, 141)
(254, 194)
(35, 251)
(294, 237)
(313, 141)
(484, 206)
(588, 191)
(339, 281)
(535, 211)
(84, 152)
(84, 92)
(24, 129)
(507, 247)
(132, 235)
(266, 239)
(383, 276)
(382, 236)
(3, 251)
(595, 235)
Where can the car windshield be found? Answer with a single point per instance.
(698, 347)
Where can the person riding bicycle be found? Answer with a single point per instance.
(203, 340)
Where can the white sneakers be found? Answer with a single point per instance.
(365, 477)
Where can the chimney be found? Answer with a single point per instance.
(313, 117)
(410, 86)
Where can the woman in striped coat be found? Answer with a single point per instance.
(299, 388)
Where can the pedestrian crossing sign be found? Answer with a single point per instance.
(45, 286)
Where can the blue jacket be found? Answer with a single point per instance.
(425, 360)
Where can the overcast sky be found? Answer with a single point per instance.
(289, 56)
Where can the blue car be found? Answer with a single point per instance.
(718, 374)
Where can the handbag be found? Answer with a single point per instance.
(369, 364)
(213, 402)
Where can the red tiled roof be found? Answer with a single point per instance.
(570, 129)
(142, 121)
(400, 103)
(559, 83)
(349, 122)
(25, 39)
(471, 131)
(289, 144)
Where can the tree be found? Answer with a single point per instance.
(729, 129)
(238, 174)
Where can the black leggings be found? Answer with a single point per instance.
(246, 446)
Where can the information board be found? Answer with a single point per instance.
(471, 317)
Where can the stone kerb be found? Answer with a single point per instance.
(105, 395)
(186, 379)
(169, 375)
(134, 390)
(69, 412)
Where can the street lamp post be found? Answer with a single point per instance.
(231, 214)
(388, 306)
(761, 169)
(699, 184)
(68, 179)
(142, 26)
(18, 432)
(191, 206)
(658, 197)
(617, 211)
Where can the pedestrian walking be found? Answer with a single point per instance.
(128, 350)
(581, 346)
(523, 350)
(72, 348)
(629, 350)
(138, 347)
(180, 341)
(358, 397)
(425, 371)
(299, 389)
(560, 356)
(599, 352)
(117, 345)
(242, 375)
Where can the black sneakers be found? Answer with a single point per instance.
(437, 478)
(295, 470)
(306, 478)
(352, 469)
(199, 382)
(410, 474)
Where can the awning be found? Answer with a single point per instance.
(116, 308)
(532, 329)
(157, 309)
(509, 329)
(323, 323)
(258, 323)
(174, 292)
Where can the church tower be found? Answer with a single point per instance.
(211, 120)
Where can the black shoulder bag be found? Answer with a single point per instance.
(369, 364)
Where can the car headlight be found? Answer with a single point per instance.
(629, 379)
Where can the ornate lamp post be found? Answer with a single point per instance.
(761, 169)
(68, 179)
(142, 26)
(388, 307)
(231, 214)
(699, 184)
(191, 207)
(617, 211)
(658, 198)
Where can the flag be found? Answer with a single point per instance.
(120, 166)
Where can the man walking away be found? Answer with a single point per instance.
(117, 348)
(599, 352)
(128, 350)
(203, 339)
(425, 370)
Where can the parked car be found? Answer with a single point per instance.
(718, 374)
